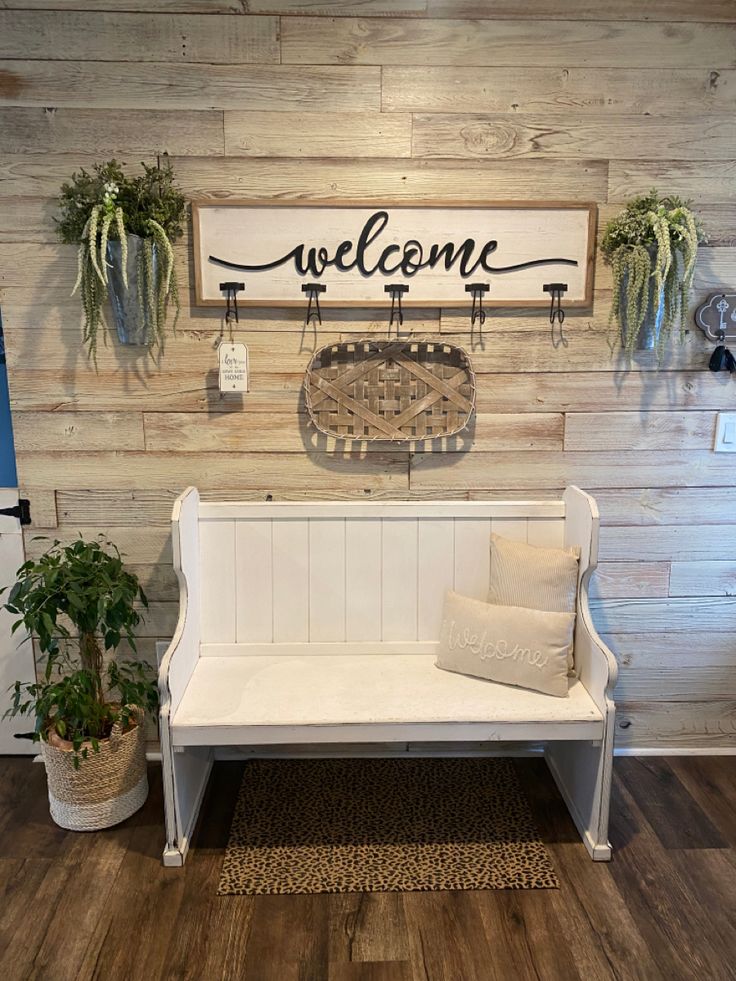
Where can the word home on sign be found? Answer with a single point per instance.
(233, 358)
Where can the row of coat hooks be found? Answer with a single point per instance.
(396, 291)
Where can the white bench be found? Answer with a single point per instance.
(311, 628)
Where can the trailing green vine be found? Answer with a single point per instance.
(652, 247)
(107, 205)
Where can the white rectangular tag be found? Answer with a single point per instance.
(233, 367)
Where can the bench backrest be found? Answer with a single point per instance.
(350, 574)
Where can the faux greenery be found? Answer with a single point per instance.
(106, 205)
(654, 239)
(80, 591)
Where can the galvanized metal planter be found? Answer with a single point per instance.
(129, 311)
(648, 336)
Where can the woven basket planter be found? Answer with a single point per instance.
(402, 391)
(107, 788)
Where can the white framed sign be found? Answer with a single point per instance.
(356, 249)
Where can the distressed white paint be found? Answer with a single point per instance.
(254, 580)
(257, 233)
(235, 700)
(354, 596)
(290, 579)
(363, 584)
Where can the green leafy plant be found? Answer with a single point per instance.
(652, 247)
(80, 595)
(107, 205)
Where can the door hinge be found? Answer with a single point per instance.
(22, 511)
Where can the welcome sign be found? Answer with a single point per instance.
(356, 249)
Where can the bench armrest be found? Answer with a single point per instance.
(182, 654)
(595, 664)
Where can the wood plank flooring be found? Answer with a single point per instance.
(83, 906)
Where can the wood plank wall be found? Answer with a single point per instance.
(384, 99)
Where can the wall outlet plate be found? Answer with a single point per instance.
(726, 433)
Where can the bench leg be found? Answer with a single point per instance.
(185, 776)
(582, 772)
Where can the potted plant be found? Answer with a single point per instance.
(79, 600)
(124, 228)
(652, 247)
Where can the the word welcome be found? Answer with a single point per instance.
(407, 259)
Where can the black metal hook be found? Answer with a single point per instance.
(313, 290)
(477, 313)
(231, 291)
(396, 289)
(555, 310)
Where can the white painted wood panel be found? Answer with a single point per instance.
(217, 566)
(435, 573)
(473, 557)
(547, 532)
(383, 509)
(254, 578)
(363, 557)
(326, 579)
(513, 528)
(290, 580)
(399, 579)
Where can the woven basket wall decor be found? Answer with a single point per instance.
(390, 390)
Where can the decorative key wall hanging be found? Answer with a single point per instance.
(717, 319)
(390, 390)
(432, 250)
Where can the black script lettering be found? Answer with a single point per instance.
(412, 256)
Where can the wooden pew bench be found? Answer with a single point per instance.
(312, 629)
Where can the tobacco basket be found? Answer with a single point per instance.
(400, 391)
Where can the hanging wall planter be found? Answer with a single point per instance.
(132, 316)
(646, 335)
(652, 247)
(124, 228)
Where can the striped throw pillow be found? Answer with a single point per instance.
(534, 577)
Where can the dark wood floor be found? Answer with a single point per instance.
(78, 906)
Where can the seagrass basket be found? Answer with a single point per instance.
(107, 788)
(402, 391)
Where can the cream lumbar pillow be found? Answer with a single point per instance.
(535, 577)
(508, 644)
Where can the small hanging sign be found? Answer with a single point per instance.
(233, 367)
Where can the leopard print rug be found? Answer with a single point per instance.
(382, 825)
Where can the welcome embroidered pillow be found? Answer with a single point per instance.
(508, 644)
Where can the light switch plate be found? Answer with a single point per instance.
(726, 433)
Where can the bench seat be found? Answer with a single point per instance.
(262, 699)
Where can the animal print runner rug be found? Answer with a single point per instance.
(382, 825)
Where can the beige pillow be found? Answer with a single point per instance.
(509, 644)
(535, 577)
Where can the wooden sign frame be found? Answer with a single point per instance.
(546, 269)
